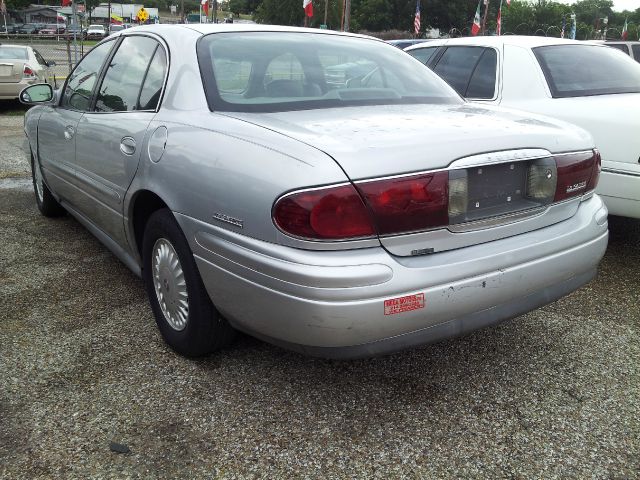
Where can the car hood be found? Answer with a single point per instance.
(386, 140)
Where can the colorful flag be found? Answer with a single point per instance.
(508, 3)
(499, 21)
(625, 33)
(475, 28)
(416, 21)
(564, 25)
(205, 6)
(308, 7)
(66, 3)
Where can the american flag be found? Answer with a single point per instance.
(416, 21)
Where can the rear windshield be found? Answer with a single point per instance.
(13, 53)
(582, 70)
(279, 71)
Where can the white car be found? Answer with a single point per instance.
(96, 31)
(21, 66)
(593, 86)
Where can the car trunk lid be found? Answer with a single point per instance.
(11, 70)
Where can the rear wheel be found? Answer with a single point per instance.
(187, 319)
(48, 206)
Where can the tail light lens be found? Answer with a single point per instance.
(333, 213)
(577, 174)
(407, 204)
(27, 71)
(429, 200)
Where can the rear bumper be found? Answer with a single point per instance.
(11, 90)
(620, 191)
(332, 304)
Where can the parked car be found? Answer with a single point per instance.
(340, 220)
(53, 29)
(115, 29)
(593, 86)
(96, 32)
(631, 48)
(28, 29)
(77, 31)
(21, 66)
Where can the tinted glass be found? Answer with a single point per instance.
(619, 46)
(150, 94)
(13, 53)
(483, 80)
(636, 52)
(265, 71)
(122, 83)
(79, 88)
(457, 65)
(581, 70)
(423, 54)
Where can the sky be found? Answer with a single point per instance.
(618, 5)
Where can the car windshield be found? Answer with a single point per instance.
(13, 53)
(583, 70)
(270, 72)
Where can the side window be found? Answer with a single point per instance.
(636, 52)
(456, 66)
(619, 46)
(152, 86)
(120, 89)
(423, 54)
(483, 80)
(39, 58)
(79, 88)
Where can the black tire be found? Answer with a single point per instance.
(204, 330)
(48, 206)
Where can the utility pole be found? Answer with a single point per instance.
(326, 10)
(484, 19)
(181, 11)
(109, 19)
(347, 14)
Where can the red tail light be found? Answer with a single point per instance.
(28, 72)
(332, 213)
(408, 204)
(577, 174)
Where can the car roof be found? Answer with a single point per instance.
(207, 28)
(496, 41)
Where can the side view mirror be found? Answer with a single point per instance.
(51, 64)
(34, 94)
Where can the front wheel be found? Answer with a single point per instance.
(48, 206)
(187, 319)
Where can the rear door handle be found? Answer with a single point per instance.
(69, 132)
(128, 145)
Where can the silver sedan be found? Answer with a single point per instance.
(322, 191)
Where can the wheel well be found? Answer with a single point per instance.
(146, 203)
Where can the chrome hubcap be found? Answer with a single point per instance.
(169, 284)
(37, 175)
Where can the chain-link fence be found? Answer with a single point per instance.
(61, 49)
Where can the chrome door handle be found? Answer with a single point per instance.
(128, 145)
(69, 132)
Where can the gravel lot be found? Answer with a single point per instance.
(552, 394)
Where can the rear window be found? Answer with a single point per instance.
(270, 72)
(583, 70)
(13, 53)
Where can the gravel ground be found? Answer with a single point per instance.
(551, 394)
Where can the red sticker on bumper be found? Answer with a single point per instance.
(403, 304)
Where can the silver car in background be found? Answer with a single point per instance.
(319, 190)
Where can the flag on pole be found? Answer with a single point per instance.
(308, 7)
(508, 3)
(625, 33)
(475, 28)
(3, 8)
(205, 6)
(499, 21)
(66, 3)
(416, 21)
(564, 25)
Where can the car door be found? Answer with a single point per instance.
(112, 134)
(58, 124)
